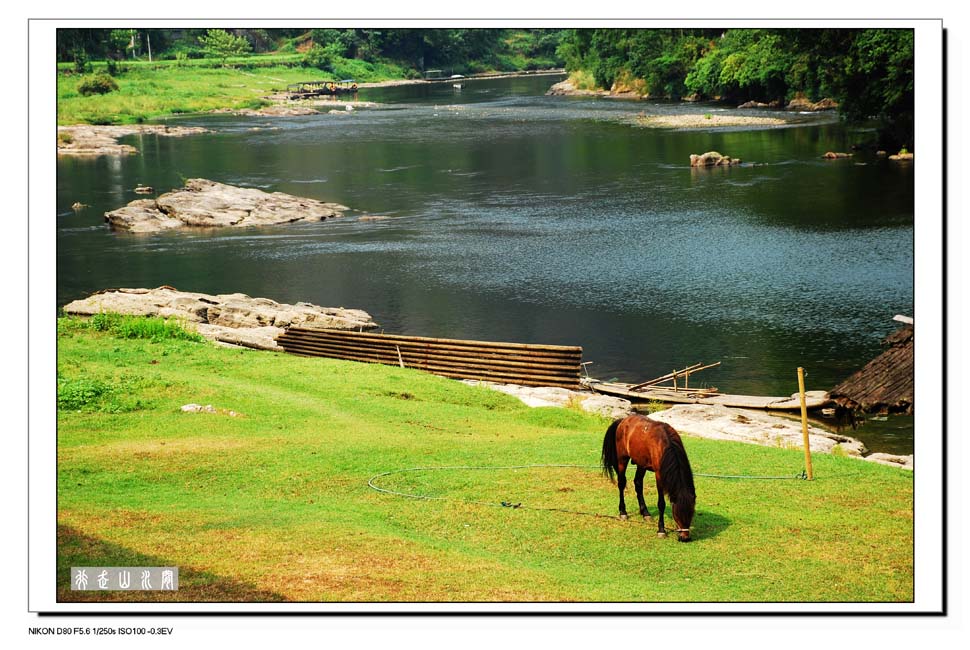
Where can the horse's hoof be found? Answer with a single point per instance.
(661, 535)
(624, 517)
(647, 518)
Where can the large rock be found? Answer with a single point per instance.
(742, 425)
(92, 140)
(802, 103)
(232, 318)
(712, 159)
(204, 204)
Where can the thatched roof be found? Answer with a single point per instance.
(885, 384)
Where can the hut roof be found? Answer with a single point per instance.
(885, 384)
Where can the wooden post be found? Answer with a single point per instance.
(808, 448)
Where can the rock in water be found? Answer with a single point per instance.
(206, 204)
(712, 159)
(230, 318)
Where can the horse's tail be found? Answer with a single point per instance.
(675, 472)
(611, 464)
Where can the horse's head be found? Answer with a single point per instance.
(683, 508)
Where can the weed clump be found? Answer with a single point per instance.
(141, 327)
(99, 84)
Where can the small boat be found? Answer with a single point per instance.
(309, 89)
(814, 399)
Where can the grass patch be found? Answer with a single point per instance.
(131, 327)
(146, 93)
(274, 505)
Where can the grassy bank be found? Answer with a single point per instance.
(273, 504)
(148, 92)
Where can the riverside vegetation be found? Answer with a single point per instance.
(196, 70)
(272, 503)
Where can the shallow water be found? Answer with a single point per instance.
(520, 217)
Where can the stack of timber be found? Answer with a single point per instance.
(885, 384)
(515, 363)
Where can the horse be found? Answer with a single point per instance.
(657, 447)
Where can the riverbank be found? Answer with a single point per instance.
(153, 93)
(264, 496)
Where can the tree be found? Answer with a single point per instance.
(222, 45)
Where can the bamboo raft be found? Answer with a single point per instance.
(814, 399)
(505, 363)
(653, 390)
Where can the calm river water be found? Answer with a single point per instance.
(521, 217)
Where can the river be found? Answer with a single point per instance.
(520, 217)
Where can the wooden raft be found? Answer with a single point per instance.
(508, 363)
(814, 399)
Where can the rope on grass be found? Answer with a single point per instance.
(371, 483)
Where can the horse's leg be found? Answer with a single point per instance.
(638, 484)
(621, 484)
(661, 507)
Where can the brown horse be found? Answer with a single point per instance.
(653, 446)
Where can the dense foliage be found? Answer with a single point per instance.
(868, 72)
(461, 50)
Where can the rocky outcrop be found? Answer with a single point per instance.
(275, 110)
(755, 104)
(230, 318)
(712, 159)
(207, 204)
(92, 140)
(611, 407)
(835, 155)
(802, 103)
(742, 425)
(566, 88)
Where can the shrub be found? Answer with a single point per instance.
(321, 57)
(98, 84)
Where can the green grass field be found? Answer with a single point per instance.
(273, 504)
(147, 92)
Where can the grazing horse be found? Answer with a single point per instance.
(653, 446)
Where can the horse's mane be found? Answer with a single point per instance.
(675, 472)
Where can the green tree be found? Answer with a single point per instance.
(222, 45)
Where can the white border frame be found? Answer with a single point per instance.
(929, 559)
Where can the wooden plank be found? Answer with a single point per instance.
(513, 354)
(390, 357)
(503, 378)
(411, 357)
(397, 338)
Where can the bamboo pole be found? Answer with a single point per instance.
(808, 448)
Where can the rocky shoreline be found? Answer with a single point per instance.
(234, 318)
(207, 204)
(707, 421)
(98, 140)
